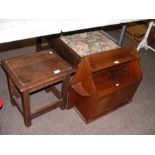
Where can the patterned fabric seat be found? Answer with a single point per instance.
(89, 43)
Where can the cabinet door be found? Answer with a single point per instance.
(103, 104)
(124, 95)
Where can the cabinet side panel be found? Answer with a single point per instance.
(84, 77)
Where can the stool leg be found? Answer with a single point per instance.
(64, 91)
(26, 108)
(12, 90)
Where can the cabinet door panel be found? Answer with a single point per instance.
(103, 104)
(125, 94)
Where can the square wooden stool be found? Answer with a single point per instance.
(29, 73)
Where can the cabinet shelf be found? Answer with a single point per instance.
(106, 60)
(112, 82)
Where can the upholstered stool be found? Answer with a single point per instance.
(30, 73)
(74, 47)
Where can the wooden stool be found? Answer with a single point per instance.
(29, 73)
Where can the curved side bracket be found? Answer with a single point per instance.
(79, 89)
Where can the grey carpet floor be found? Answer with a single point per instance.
(135, 118)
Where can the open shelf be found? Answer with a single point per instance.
(108, 59)
(112, 82)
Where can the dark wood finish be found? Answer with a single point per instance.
(105, 81)
(18, 105)
(29, 73)
(38, 44)
(26, 108)
(35, 71)
(12, 90)
(64, 90)
(63, 50)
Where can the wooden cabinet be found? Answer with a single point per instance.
(104, 82)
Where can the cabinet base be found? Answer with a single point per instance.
(102, 114)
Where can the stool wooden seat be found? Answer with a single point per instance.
(29, 73)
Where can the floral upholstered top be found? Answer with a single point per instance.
(89, 43)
